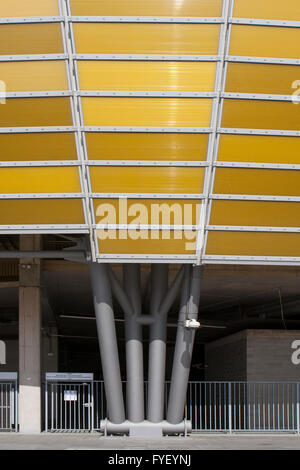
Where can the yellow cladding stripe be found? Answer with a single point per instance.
(262, 149)
(147, 76)
(255, 213)
(258, 182)
(253, 244)
(14, 8)
(264, 41)
(147, 180)
(183, 244)
(23, 112)
(44, 38)
(169, 112)
(37, 147)
(255, 114)
(34, 76)
(267, 9)
(39, 180)
(262, 78)
(146, 8)
(40, 211)
(129, 38)
(149, 211)
(141, 146)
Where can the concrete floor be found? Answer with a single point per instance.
(196, 442)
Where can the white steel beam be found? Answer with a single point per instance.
(215, 123)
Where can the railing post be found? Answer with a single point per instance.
(46, 407)
(298, 410)
(92, 406)
(229, 409)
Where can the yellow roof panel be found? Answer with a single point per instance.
(147, 76)
(142, 146)
(264, 41)
(255, 213)
(38, 147)
(34, 76)
(253, 244)
(41, 211)
(147, 242)
(14, 8)
(261, 78)
(146, 7)
(43, 38)
(257, 182)
(256, 114)
(147, 211)
(23, 112)
(39, 180)
(267, 9)
(257, 148)
(157, 112)
(171, 180)
(129, 38)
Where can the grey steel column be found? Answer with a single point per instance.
(107, 341)
(184, 345)
(134, 345)
(157, 344)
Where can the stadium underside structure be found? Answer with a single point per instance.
(159, 132)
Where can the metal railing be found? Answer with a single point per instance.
(211, 406)
(243, 406)
(8, 406)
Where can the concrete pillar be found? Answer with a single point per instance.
(29, 339)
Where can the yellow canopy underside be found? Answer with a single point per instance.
(141, 162)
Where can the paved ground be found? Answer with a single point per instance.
(196, 442)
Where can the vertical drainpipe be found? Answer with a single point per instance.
(157, 344)
(134, 345)
(107, 341)
(184, 345)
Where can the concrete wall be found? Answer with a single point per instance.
(49, 356)
(226, 359)
(255, 355)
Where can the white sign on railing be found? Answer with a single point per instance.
(70, 395)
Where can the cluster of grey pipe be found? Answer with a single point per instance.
(129, 296)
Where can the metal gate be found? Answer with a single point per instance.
(8, 401)
(69, 403)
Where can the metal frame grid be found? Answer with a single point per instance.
(222, 84)
(218, 96)
(259, 260)
(135, 258)
(219, 88)
(69, 46)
